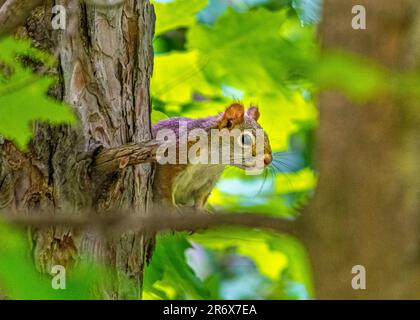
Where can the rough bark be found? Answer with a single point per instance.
(13, 13)
(106, 60)
(366, 206)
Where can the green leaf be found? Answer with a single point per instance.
(11, 48)
(157, 116)
(177, 76)
(236, 192)
(260, 53)
(256, 51)
(23, 105)
(247, 243)
(23, 94)
(176, 14)
(277, 257)
(169, 276)
(20, 280)
(17, 276)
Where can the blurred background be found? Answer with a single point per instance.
(208, 53)
(337, 90)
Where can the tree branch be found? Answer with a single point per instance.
(110, 160)
(157, 222)
(13, 13)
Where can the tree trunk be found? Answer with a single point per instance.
(365, 211)
(106, 60)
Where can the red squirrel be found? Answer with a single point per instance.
(190, 185)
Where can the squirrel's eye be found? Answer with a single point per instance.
(246, 139)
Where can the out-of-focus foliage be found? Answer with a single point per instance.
(23, 92)
(264, 248)
(169, 276)
(20, 280)
(176, 14)
(246, 51)
(360, 82)
(228, 264)
(281, 194)
(259, 52)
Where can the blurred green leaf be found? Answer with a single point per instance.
(177, 76)
(11, 48)
(157, 116)
(18, 277)
(357, 77)
(20, 280)
(169, 276)
(23, 94)
(256, 51)
(179, 13)
(236, 193)
(248, 243)
(275, 256)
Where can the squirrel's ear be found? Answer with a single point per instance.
(253, 113)
(234, 114)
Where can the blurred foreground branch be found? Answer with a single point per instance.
(190, 220)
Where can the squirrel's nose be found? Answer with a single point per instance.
(268, 158)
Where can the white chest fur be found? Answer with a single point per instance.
(194, 184)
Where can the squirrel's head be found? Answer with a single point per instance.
(233, 137)
(247, 134)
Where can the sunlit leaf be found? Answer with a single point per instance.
(252, 51)
(169, 276)
(23, 94)
(358, 78)
(179, 13)
(157, 116)
(303, 180)
(177, 76)
(272, 254)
